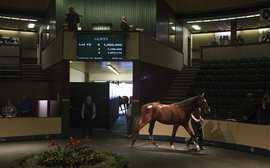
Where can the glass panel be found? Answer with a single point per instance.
(172, 30)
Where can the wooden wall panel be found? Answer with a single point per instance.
(152, 51)
(236, 52)
(47, 126)
(15, 90)
(17, 127)
(140, 13)
(223, 131)
(53, 53)
(164, 13)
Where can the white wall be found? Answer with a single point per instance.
(186, 34)
(76, 76)
(110, 77)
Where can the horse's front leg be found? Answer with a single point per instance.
(196, 143)
(175, 128)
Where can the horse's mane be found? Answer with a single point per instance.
(186, 101)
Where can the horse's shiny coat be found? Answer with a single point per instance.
(175, 114)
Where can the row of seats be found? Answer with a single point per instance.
(234, 72)
(233, 64)
(243, 86)
(227, 82)
(232, 78)
(240, 60)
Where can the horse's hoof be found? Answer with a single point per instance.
(198, 148)
(157, 146)
(172, 147)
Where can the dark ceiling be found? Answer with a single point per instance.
(186, 10)
(34, 8)
(22, 9)
(194, 10)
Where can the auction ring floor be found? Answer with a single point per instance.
(145, 155)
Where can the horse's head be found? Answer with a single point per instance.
(202, 103)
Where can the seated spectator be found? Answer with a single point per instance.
(214, 42)
(1, 39)
(9, 110)
(226, 40)
(240, 40)
(264, 117)
(25, 107)
(265, 37)
(248, 110)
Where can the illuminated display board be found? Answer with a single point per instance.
(100, 47)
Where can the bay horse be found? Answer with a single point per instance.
(175, 114)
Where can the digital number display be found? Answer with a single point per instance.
(100, 47)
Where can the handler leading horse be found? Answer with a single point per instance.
(175, 114)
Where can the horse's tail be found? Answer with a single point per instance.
(145, 110)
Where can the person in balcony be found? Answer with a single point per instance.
(9, 110)
(72, 19)
(124, 25)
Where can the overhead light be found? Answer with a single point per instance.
(250, 16)
(207, 20)
(232, 18)
(196, 27)
(240, 17)
(173, 27)
(224, 19)
(31, 25)
(110, 67)
(15, 18)
(32, 20)
(214, 20)
(18, 18)
(5, 17)
(24, 19)
(52, 21)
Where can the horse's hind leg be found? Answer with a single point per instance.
(137, 130)
(150, 130)
(175, 127)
